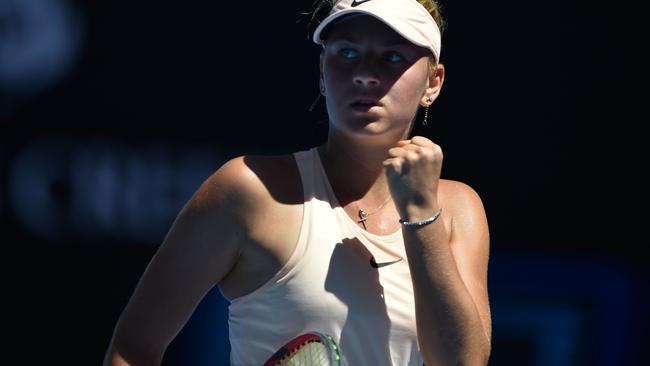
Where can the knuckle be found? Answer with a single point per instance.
(437, 150)
(429, 154)
(412, 156)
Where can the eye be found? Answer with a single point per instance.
(394, 57)
(348, 53)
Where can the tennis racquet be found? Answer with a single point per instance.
(308, 349)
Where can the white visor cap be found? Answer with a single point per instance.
(407, 17)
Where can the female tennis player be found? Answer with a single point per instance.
(358, 239)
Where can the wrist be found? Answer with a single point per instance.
(422, 222)
(417, 212)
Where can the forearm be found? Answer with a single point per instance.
(450, 331)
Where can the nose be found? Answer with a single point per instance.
(366, 80)
(366, 76)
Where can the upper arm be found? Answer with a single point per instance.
(199, 249)
(470, 243)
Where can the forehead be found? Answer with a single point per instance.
(361, 27)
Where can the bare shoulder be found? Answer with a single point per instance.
(234, 178)
(459, 197)
(465, 207)
(253, 181)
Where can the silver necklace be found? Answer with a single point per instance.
(363, 215)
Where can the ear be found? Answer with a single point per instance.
(435, 81)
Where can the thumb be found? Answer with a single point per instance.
(403, 142)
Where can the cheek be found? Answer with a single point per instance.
(329, 66)
(409, 89)
(334, 75)
(412, 82)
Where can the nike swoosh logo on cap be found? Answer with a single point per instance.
(374, 264)
(356, 3)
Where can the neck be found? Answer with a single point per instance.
(355, 170)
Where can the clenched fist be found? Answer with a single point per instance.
(413, 171)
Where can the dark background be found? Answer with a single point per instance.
(101, 148)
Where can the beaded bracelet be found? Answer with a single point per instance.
(422, 222)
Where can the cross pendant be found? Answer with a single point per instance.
(363, 216)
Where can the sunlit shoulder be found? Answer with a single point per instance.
(243, 177)
(463, 203)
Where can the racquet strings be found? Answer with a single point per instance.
(311, 352)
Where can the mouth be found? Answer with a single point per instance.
(364, 104)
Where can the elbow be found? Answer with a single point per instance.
(114, 358)
(477, 355)
(486, 349)
(121, 354)
(485, 355)
(480, 356)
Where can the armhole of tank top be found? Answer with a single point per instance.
(301, 244)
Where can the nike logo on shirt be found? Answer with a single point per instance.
(356, 3)
(374, 264)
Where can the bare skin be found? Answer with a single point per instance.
(242, 224)
(264, 180)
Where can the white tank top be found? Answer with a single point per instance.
(329, 284)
